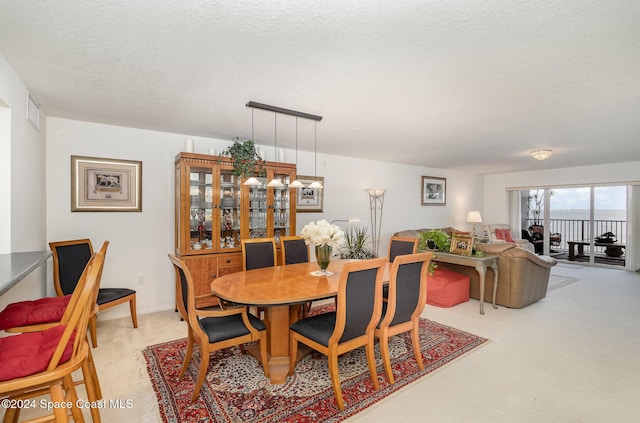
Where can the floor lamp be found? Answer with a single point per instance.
(376, 201)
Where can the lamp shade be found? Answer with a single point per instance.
(252, 181)
(474, 217)
(375, 192)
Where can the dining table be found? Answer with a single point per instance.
(280, 291)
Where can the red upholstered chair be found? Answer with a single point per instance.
(69, 259)
(60, 352)
(401, 311)
(44, 313)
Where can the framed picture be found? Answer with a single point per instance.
(461, 244)
(105, 185)
(434, 191)
(310, 200)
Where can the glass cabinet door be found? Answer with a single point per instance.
(200, 207)
(258, 210)
(230, 217)
(280, 221)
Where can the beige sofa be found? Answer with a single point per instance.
(523, 276)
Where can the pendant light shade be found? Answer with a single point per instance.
(252, 181)
(296, 184)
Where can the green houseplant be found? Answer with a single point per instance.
(245, 158)
(434, 238)
(355, 245)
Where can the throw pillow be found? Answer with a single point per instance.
(504, 234)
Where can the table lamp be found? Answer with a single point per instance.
(474, 217)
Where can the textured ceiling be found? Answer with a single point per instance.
(469, 85)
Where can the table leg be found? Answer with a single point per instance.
(572, 251)
(494, 267)
(277, 319)
(482, 272)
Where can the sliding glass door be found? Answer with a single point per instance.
(583, 224)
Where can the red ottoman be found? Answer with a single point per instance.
(446, 288)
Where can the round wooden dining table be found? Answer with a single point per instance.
(280, 290)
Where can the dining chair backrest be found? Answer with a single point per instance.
(359, 300)
(294, 250)
(76, 317)
(258, 253)
(407, 287)
(183, 287)
(401, 245)
(69, 261)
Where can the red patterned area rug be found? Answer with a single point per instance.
(235, 389)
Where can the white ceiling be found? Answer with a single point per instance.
(454, 84)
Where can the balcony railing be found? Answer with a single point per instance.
(578, 229)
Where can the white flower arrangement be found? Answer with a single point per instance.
(322, 233)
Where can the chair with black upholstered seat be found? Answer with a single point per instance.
(294, 250)
(359, 306)
(407, 297)
(214, 329)
(69, 260)
(401, 245)
(258, 253)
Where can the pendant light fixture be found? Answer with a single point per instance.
(275, 182)
(252, 181)
(296, 183)
(316, 183)
(315, 118)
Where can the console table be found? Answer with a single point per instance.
(15, 266)
(481, 264)
(613, 249)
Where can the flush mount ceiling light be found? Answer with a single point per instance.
(541, 154)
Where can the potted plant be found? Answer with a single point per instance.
(355, 244)
(434, 239)
(245, 158)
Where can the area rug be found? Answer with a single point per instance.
(235, 389)
(557, 282)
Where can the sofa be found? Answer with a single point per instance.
(523, 276)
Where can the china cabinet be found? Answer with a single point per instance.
(214, 211)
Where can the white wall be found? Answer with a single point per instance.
(140, 242)
(22, 175)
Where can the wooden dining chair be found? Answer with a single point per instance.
(60, 352)
(69, 259)
(401, 312)
(45, 313)
(295, 250)
(401, 245)
(359, 306)
(214, 329)
(256, 254)
(398, 246)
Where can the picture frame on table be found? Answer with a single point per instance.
(461, 244)
(105, 185)
(310, 200)
(434, 191)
